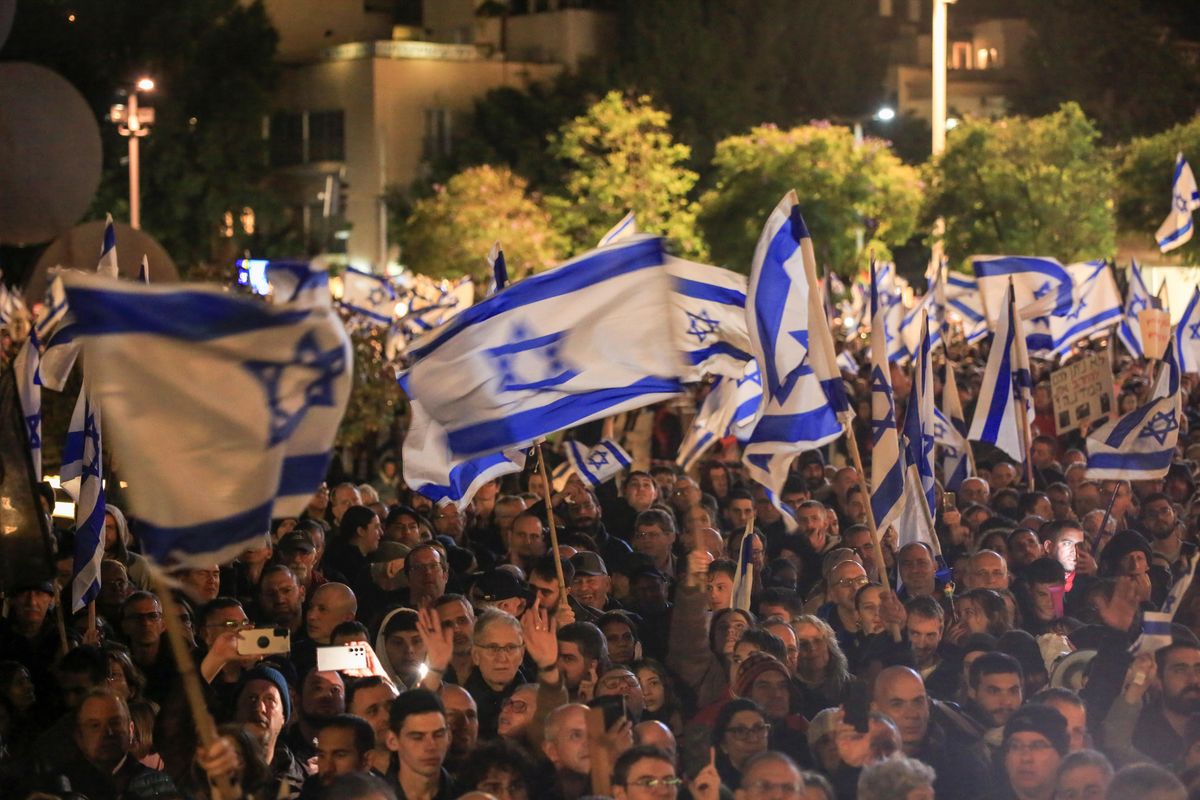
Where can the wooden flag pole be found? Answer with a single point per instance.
(91, 612)
(1023, 421)
(562, 581)
(225, 788)
(862, 482)
(61, 619)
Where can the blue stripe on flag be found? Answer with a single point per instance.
(706, 291)
(1160, 460)
(191, 316)
(206, 537)
(300, 473)
(695, 357)
(815, 424)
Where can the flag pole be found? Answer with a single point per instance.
(562, 581)
(205, 727)
(742, 549)
(1023, 421)
(862, 482)
(60, 618)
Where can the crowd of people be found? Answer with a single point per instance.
(993, 663)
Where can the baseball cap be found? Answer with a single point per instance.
(586, 562)
(296, 541)
(500, 584)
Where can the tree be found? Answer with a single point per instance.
(622, 157)
(839, 186)
(1024, 187)
(1145, 167)
(449, 233)
(374, 397)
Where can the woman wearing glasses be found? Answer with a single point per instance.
(741, 731)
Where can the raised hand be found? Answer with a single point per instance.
(707, 783)
(1139, 678)
(219, 758)
(587, 686)
(541, 639)
(439, 641)
(697, 567)
(853, 747)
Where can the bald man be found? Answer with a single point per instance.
(987, 569)
(331, 605)
(656, 734)
(942, 739)
(973, 490)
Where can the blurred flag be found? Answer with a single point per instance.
(370, 296)
(1176, 229)
(920, 432)
(108, 250)
(887, 461)
(710, 319)
(743, 577)
(83, 479)
(498, 269)
(1138, 299)
(1006, 381)
(623, 230)
(730, 409)
(1187, 336)
(598, 464)
(1096, 307)
(1140, 445)
(206, 389)
(963, 300)
(1156, 625)
(297, 282)
(579, 342)
(1042, 288)
(957, 461)
(891, 300)
(55, 329)
(804, 401)
(144, 270)
(433, 303)
(29, 388)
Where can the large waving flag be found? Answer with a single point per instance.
(83, 479)
(1177, 228)
(951, 430)
(498, 268)
(29, 390)
(623, 230)
(1006, 381)
(597, 464)
(710, 312)
(431, 469)
(804, 401)
(579, 342)
(370, 296)
(108, 250)
(963, 301)
(1138, 299)
(887, 460)
(920, 431)
(1042, 288)
(1097, 306)
(1140, 445)
(206, 389)
(1187, 336)
(730, 409)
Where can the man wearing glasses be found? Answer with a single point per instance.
(497, 651)
(221, 622)
(644, 772)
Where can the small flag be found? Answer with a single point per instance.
(1006, 381)
(1176, 229)
(1140, 445)
(434, 303)
(957, 461)
(1156, 625)
(1187, 336)
(297, 282)
(55, 328)
(1097, 306)
(555, 350)
(83, 479)
(920, 430)
(804, 400)
(891, 299)
(620, 232)
(498, 268)
(599, 464)
(108, 250)
(743, 578)
(710, 312)
(204, 388)
(370, 296)
(29, 389)
(1138, 299)
(1042, 288)
(887, 461)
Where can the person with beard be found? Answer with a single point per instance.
(994, 693)
(322, 696)
(462, 715)
(298, 552)
(280, 599)
(583, 517)
(344, 745)
(1161, 524)
(582, 649)
(1136, 730)
(262, 708)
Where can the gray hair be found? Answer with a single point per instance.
(494, 616)
(1084, 758)
(893, 777)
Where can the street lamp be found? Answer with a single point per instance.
(885, 114)
(938, 121)
(134, 123)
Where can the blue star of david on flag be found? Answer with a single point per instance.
(1160, 426)
(530, 362)
(701, 325)
(1195, 330)
(34, 421)
(379, 295)
(598, 460)
(888, 420)
(310, 358)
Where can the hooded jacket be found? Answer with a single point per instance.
(135, 564)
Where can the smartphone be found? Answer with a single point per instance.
(613, 707)
(949, 501)
(858, 707)
(264, 642)
(342, 657)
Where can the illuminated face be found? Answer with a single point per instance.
(459, 617)
(653, 689)
(925, 635)
(869, 602)
(497, 653)
(988, 571)
(406, 652)
(372, 705)
(998, 696)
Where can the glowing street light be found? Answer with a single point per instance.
(134, 123)
(885, 114)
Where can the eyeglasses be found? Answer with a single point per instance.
(861, 580)
(618, 681)
(519, 706)
(654, 783)
(231, 624)
(1033, 748)
(149, 616)
(501, 649)
(749, 731)
(769, 787)
(649, 534)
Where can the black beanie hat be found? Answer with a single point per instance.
(1042, 719)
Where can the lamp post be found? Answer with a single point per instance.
(884, 114)
(938, 111)
(133, 123)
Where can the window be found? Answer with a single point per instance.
(287, 139)
(326, 136)
(914, 10)
(437, 132)
(962, 56)
(885, 8)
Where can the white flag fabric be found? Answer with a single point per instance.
(915, 523)
(370, 296)
(1138, 299)
(1097, 305)
(498, 268)
(1140, 445)
(1156, 625)
(1187, 336)
(890, 287)
(598, 464)
(222, 410)
(29, 389)
(1038, 283)
(82, 477)
(951, 429)
(887, 459)
(919, 423)
(1005, 379)
(433, 303)
(108, 250)
(804, 400)
(431, 469)
(731, 408)
(625, 229)
(579, 342)
(963, 302)
(710, 311)
(1177, 228)
(743, 576)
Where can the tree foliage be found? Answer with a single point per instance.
(371, 409)
(449, 233)
(839, 186)
(621, 156)
(1145, 167)
(1025, 187)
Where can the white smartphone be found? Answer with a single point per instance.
(342, 657)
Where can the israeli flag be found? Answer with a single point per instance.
(370, 296)
(1042, 287)
(743, 577)
(598, 464)
(1006, 381)
(804, 401)
(83, 478)
(890, 288)
(920, 425)
(1097, 306)
(431, 469)
(887, 461)
(579, 342)
(911, 329)
(1138, 299)
(951, 432)
(29, 389)
(108, 250)
(709, 304)
(296, 282)
(731, 408)
(144, 270)
(434, 303)
(1140, 445)
(846, 363)
(1156, 625)
(55, 328)
(1176, 229)
(623, 230)
(498, 268)
(963, 301)
(1187, 336)
(211, 390)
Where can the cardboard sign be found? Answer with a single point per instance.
(1082, 392)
